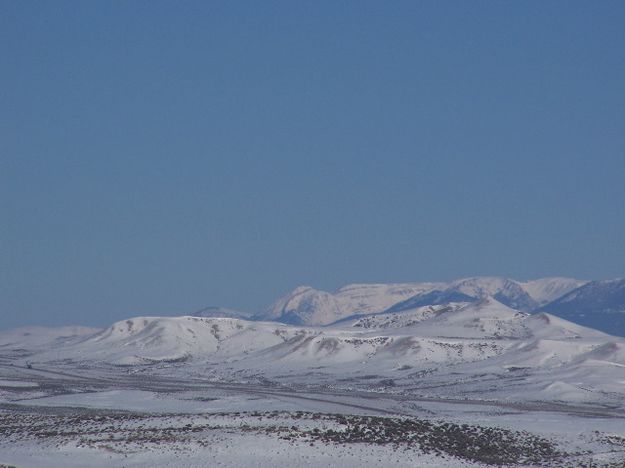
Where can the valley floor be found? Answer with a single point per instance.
(62, 417)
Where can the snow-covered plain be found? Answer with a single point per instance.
(451, 384)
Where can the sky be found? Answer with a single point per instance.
(157, 157)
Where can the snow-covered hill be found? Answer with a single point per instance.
(472, 339)
(146, 340)
(506, 291)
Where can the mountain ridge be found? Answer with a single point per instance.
(597, 304)
(308, 306)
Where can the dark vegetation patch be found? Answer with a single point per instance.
(476, 443)
(127, 431)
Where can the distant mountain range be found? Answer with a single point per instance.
(481, 347)
(216, 311)
(488, 336)
(595, 304)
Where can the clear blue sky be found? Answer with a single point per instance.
(157, 157)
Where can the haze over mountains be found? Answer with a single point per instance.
(597, 304)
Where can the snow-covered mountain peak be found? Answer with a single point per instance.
(304, 305)
(505, 290)
(546, 290)
(308, 306)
